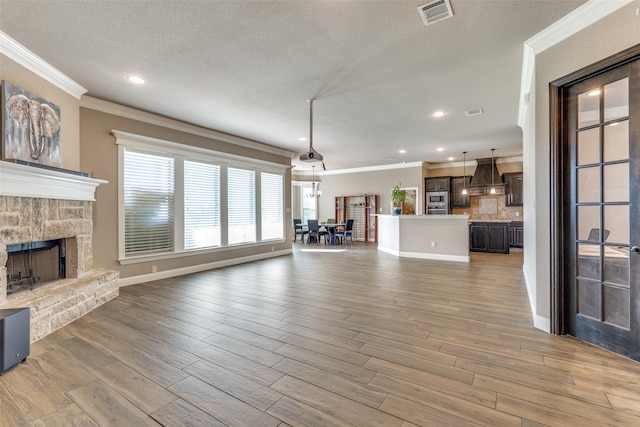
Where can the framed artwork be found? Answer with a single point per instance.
(411, 205)
(30, 127)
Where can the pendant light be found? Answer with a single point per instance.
(464, 173)
(493, 188)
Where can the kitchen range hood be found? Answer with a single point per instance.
(481, 182)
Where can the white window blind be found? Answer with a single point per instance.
(201, 205)
(148, 203)
(272, 214)
(241, 213)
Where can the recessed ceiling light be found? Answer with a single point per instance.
(439, 149)
(594, 93)
(135, 79)
(302, 138)
(439, 114)
(402, 151)
(451, 158)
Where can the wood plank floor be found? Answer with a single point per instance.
(335, 338)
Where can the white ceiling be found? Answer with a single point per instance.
(248, 67)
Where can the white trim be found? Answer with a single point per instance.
(134, 280)
(574, 22)
(367, 168)
(23, 56)
(175, 148)
(422, 255)
(539, 322)
(526, 81)
(154, 119)
(473, 163)
(29, 181)
(187, 253)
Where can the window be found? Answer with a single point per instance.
(272, 202)
(148, 203)
(175, 200)
(241, 196)
(201, 205)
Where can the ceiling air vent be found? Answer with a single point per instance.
(435, 11)
(476, 112)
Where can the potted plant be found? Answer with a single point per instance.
(398, 197)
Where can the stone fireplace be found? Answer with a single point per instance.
(43, 205)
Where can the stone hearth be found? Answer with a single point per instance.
(27, 219)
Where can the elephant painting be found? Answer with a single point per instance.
(31, 127)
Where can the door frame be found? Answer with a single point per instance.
(559, 184)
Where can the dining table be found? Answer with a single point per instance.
(331, 229)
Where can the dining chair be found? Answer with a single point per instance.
(298, 228)
(314, 232)
(347, 232)
(594, 234)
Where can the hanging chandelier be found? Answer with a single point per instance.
(315, 190)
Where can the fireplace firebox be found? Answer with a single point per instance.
(33, 264)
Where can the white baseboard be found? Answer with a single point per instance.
(422, 255)
(539, 322)
(134, 280)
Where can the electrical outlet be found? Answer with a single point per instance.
(154, 268)
(517, 213)
(433, 244)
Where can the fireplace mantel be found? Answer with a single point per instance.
(27, 181)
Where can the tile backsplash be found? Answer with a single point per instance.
(504, 213)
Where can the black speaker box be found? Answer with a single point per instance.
(14, 337)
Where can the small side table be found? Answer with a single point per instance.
(15, 334)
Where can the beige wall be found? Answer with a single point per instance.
(610, 35)
(378, 182)
(69, 107)
(99, 155)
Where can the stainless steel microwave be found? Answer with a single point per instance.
(437, 197)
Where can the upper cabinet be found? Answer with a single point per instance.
(514, 189)
(459, 200)
(437, 184)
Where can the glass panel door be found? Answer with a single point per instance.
(602, 154)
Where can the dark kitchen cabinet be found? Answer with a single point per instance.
(516, 234)
(514, 188)
(459, 200)
(438, 184)
(489, 237)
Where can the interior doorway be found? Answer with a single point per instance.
(596, 182)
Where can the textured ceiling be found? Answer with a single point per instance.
(248, 67)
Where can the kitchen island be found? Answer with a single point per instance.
(442, 237)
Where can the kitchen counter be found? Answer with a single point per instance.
(442, 237)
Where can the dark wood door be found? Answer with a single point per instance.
(601, 227)
(459, 200)
(514, 189)
(489, 237)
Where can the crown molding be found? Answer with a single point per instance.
(368, 168)
(154, 119)
(574, 22)
(23, 56)
(150, 143)
(473, 163)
